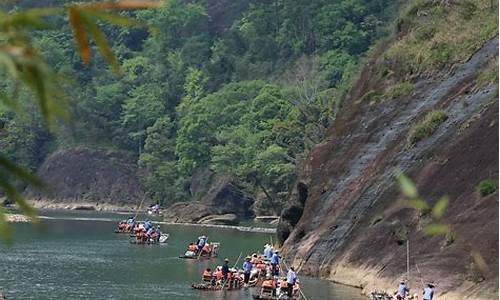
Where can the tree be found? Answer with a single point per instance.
(24, 64)
(158, 162)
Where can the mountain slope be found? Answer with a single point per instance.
(353, 221)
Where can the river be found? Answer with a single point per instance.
(76, 255)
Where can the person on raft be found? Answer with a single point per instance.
(201, 243)
(255, 259)
(155, 208)
(225, 269)
(130, 224)
(147, 224)
(247, 269)
(291, 279)
(275, 262)
(154, 234)
(268, 251)
(218, 275)
(207, 275)
(269, 286)
(402, 291)
(428, 292)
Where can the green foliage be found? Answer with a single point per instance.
(245, 94)
(486, 187)
(23, 67)
(399, 90)
(440, 207)
(427, 126)
(408, 188)
(436, 229)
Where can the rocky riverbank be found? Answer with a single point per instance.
(17, 218)
(89, 206)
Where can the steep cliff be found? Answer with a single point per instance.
(88, 178)
(347, 222)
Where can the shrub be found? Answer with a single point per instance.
(401, 234)
(399, 90)
(427, 126)
(486, 187)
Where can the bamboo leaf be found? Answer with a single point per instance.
(440, 207)
(101, 43)
(436, 229)
(79, 33)
(12, 193)
(32, 18)
(20, 173)
(126, 5)
(479, 261)
(417, 204)
(114, 18)
(8, 62)
(5, 231)
(407, 187)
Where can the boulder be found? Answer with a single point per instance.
(226, 219)
(187, 212)
(222, 197)
(83, 176)
(291, 215)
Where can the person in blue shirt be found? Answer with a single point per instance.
(247, 269)
(157, 233)
(201, 243)
(275, 262)
(147, 225)
(291, 278)
(429, 292)
(402, 291)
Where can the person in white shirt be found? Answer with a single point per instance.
(429, 292)
(291, 278)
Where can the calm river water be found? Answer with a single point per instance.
(76, 255)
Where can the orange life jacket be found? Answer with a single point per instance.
(261, 266)
(283, 284)
(192, 248)
(206, 249)
(269, 284)
(218, 275)
(207, 275)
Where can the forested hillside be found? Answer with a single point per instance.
(243, 88)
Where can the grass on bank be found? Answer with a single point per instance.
(399, 90)
(427, 126)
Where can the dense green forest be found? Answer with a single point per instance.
(244, 88)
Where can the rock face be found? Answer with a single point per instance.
(350, 225)
(221, 196)
(227, 219)
(84, 177)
